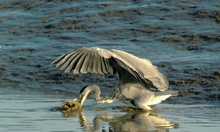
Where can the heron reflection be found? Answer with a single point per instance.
(131, 121)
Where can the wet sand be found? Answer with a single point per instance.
(180, 37)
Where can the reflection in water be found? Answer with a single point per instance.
(132, 121)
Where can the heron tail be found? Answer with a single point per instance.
(168, 92)
(165, 94)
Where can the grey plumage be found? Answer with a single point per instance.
(135, 73)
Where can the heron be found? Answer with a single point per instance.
(140, 83)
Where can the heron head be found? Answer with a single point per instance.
(82, 93)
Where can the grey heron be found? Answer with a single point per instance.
(140, 83)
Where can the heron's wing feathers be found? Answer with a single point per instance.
(86, 60)
(101, 61)
(145, 72)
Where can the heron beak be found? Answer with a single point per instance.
(80, 98)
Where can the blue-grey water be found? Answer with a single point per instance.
(180, 37)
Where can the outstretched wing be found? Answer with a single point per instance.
(144, 70)
(86, 60)
(101, 61)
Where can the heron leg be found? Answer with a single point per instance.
(114, 94)
(109, 98)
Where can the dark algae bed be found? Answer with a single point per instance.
(180, 37)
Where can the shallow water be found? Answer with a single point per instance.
(180, 37)
(34, 113)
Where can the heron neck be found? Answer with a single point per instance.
(89, 89)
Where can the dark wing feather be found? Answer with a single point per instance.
(85, 64)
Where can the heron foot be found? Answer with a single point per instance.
(107, 100)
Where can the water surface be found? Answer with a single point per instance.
(35, 113)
